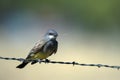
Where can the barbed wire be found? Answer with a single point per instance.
(62, 62)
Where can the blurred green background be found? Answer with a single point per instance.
(88, 33)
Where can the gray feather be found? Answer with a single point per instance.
(50, 47)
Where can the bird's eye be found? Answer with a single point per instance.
(50, 33)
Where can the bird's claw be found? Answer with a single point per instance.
(47, 61)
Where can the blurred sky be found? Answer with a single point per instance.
(88, 33)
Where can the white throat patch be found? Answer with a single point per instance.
(51, 37)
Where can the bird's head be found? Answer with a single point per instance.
(51, 34)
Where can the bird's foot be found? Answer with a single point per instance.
(47, 60)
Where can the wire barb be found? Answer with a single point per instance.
(61, 62)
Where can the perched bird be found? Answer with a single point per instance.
(43, 49)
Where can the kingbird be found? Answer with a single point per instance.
(42, 49)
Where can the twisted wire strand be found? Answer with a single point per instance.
(62, 62)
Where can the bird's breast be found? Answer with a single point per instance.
(41, 55)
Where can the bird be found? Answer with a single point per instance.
(42, 49)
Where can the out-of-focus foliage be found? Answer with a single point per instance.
(94, 14)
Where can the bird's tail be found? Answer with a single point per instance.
(22, 65)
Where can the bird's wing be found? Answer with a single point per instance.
(56, 47)
(38, 46)
(51, 47)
